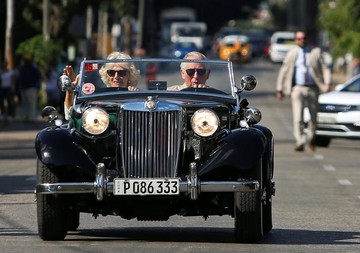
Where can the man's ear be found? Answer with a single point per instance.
(208, 74)
(182, 73)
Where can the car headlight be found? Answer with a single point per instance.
(95, 121)
(205, 122)
(177, 53)
(244, 52)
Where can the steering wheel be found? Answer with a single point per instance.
(207, 90)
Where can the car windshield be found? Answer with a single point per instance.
(185, 45)
(154, 75)
(354, 86)
(285, 41)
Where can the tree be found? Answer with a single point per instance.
(9, 32)
(41, 51)
(29, 13)
(341, 20)
(278, 11)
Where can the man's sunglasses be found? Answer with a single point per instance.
(191, 72)
(112, 72)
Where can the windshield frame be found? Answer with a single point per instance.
(82, 79)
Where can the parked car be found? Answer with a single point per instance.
(228, 30)
(224, 31)
(236, 48)
(180, 49)
(155, 153)
(259, 40)
(280, 44)
(339, 113)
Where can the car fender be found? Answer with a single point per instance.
(240, 150)
(268, 158)
(58, 147)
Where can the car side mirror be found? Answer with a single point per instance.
(65, 84)
(248, 82)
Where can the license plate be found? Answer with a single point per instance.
(153, 186)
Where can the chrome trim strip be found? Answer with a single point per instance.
(193, 182)
(100, 182)
(231, 186)
(65, 188)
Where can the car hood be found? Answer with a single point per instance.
(337, 97)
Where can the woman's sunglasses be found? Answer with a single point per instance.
(112, 72)
(191, 72)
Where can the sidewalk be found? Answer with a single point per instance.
(17, 130)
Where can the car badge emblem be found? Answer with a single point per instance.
(150, 103)
(330, 107)
(347, 108)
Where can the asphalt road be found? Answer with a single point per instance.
(316, 207)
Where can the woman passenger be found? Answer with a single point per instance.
(122, 74)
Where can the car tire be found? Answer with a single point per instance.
(248, 212)
(321, 141)
(73, 220)
(51, 213)
(267, 214)
(269, 188)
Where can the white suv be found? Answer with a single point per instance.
(280, 44)
(339, 113)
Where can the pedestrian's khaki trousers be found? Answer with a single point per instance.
(301, 97)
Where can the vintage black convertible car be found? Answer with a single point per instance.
(153, 153)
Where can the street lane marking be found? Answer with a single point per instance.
(344, 182)
(318, 157)
(284, 121)
(329, 167)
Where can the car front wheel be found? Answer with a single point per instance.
(73, 217)
(51, 213)
(267, 213)
(248, 212)
(321, 141)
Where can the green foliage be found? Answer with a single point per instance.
(28, 40)
(341, 20)
(278, 10)
(42, 52)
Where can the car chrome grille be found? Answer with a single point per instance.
(150, 143)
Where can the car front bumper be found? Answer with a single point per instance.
(339, 125)
(100, 187)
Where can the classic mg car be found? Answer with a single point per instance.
(156, 152)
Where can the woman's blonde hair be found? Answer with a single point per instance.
(134, 73)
